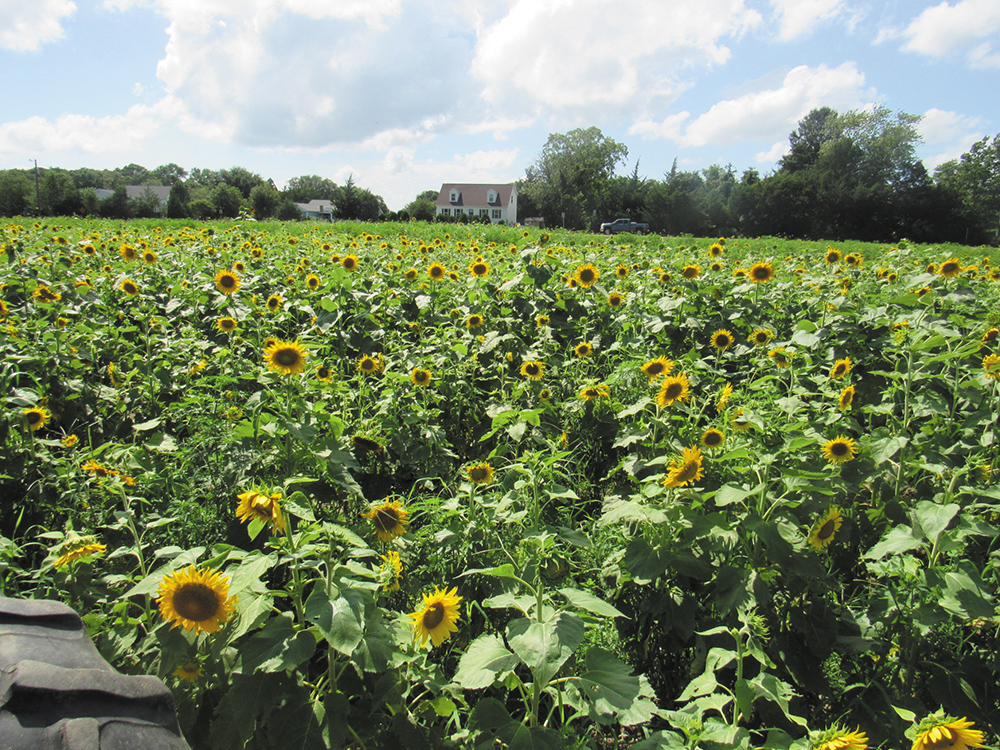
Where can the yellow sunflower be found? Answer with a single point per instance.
(654, 368)
(583, 350)
(313, 282)
(389, 519)
(761, 273)
(722, 339)
(846, 398)
(760, 337)
(616, 299)
(823, 532)
(391, 571)
(839, 450)
(989, 337)
(436, 271)
(479, 269)
(189, 671)
(837, 738)
(226, 325)
(991, 366)
(534, 370)
(674, 388)
(841, 367)
(437, 617)
(149, 257)
(78, 552)
(349, 262)
(715, 251)
(713, 438)
(940, 732)
(260, 507)
(37, 417)
(832, 255)
(197, 599)
(591, 392)
(586, 275)
(129, 287)
(286, 357)
(950, 268)
(686, 469)
(480, 473)
(474, 321)
(622, 271)
(692, 271)
(724, 394)
(227, 281)
(421, 377)
(43, 293)
(369, 365)
(274, 302)
(324, 374)
(128, 252)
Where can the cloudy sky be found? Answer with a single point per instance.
(407, 94)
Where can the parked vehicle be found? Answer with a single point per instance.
(624, 225)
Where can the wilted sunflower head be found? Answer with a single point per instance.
(389, 519)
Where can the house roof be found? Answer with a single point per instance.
(317, 205)
(162, 192)
(473, 194)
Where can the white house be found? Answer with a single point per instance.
(498, 202)
(317, 209)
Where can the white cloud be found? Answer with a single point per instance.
(947, 135)
(580, 57)
(799, 18)
(772, 155)
(85, 133)
(944, 30)
(767, 114)
(25, 25)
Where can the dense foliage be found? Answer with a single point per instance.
(359, 485)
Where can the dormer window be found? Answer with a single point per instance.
(453, 196)
(491, 196)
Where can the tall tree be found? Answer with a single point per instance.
(310, 187)
(242, 179)
(815, 129)
(265, 201)
(975, 180)
(168, 174)
(15, 192)
(571, 176)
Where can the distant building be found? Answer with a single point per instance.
(498, 202)
(317, 209)
(135, 192)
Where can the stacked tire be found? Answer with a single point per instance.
(58, 693)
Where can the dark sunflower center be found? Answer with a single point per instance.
(130, 288)
(420, 376)
(761, 338)
(479, 269)
(761, 273)
(826, 530)
(673, 391)
(323, 372)
(839, 448)
(586, 276)
(722, 341)
(654, 369)
(34, 417)
(591, 393)
(713, 438)
(839, 371)
(367, 365)
(949, 268)
(688, 273)
(385, 519)
(286, 357)
(196, 602)
(227, 281)
(433, 615)
(687, 472)
(437, 272)
(478, 473)
(615, 301)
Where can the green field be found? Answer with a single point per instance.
(358, 485)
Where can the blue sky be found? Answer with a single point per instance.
(407, 94)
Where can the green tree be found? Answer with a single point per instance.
(310, 187)
(422, 207)
(146, 205)
(265, 201)
(116, 206)
(975, 181)
(358, 204)
(571, 176)
(815, 129)
(227, 200)
(168, 174)
(242, 179)
(60, 196)
(177, 202)
(288, 211)
(202, 208)
(131, 174)
(15, 192)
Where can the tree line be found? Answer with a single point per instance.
(851, 175)
(198, 194)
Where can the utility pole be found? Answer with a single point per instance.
(38, 191)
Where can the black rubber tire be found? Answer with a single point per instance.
(58, 693)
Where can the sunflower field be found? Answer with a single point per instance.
(364, 485)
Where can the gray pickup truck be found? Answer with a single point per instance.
(624, 225)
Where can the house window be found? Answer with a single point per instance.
(471, 211)
(453, 196)
(496, 213)
(446, 212)
(491, 196)
(483, 211)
